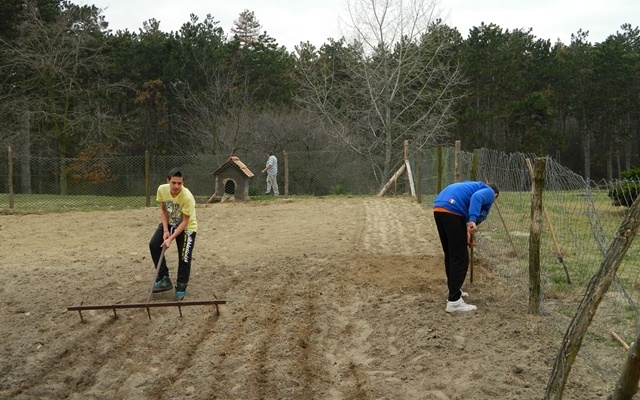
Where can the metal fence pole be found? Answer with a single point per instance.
(286, 172)
(147, 178)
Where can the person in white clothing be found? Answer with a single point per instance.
(272, 173)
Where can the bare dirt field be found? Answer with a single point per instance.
(334, 298)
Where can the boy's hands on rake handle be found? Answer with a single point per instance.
(471, 230)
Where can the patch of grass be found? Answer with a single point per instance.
(338, 190)
(48, 203)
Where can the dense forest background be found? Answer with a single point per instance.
(72, 88)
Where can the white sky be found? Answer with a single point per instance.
(291, 21)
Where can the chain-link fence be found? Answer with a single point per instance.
(52, 184)
(581, 222)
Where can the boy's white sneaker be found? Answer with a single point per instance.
(459, 305)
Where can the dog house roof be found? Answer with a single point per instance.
(234, 162)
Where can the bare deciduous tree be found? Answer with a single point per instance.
(395, 80)
(58, 63)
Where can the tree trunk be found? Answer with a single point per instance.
(627, 154)
(62, 142)
(597, 288)
(586, 148)
(608, 157)
(25, 151)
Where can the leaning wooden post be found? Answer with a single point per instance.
(286, 172)
(506, 229)
(457, 162)
(534, 237)
(10, 177)
(595, 292)
(405, 160)
(408, 176)
(393, 179)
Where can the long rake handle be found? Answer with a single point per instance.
(155, 278)
(506, 229)
(471, 261)
(555, 244)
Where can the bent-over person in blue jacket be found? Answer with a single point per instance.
(458, 210)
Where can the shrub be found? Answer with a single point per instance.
(338, 190)
(254, 191)
(624, 193)
(632, 174)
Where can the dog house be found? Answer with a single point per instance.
(231, 181)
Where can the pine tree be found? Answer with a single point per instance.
(247, 28)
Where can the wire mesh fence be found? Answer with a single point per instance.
(53, 184)
(582, 218)
(581, 221)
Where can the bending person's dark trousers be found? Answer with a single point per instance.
(452, 229)
(185, 242)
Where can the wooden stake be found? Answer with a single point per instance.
(410, 177)
(619, 339)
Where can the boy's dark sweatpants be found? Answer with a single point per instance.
(452, 229)
(185, 242)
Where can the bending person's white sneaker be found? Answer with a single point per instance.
(459, 305)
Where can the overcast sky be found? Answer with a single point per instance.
(291, 21)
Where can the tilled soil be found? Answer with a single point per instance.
(334, 298)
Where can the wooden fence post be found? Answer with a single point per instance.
(595, 292)
(534, 236)
(551, 232)
(474, 166)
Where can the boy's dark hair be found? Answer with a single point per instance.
(494, 187)
(176, 172)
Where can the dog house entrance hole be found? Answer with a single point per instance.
(230, 187)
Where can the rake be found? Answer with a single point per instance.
(148, 305)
